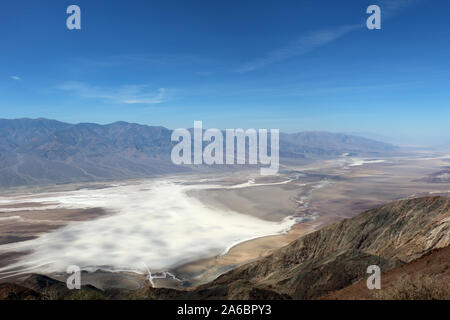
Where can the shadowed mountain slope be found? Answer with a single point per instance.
(338, 255)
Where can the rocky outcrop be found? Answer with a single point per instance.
(11, 291)
(425, 278)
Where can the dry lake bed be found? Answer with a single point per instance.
(187, 230)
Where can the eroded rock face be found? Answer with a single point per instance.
(426, 278)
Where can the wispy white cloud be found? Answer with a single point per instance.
(15, 77)
(300, 46)
(317, 39)
(130, 94)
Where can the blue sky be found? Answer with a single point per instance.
(292, 65)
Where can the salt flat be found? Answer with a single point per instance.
(152, 224)
(185, 224)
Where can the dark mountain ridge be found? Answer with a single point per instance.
(338, 255)
(41, 151)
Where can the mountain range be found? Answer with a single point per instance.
(43, 151)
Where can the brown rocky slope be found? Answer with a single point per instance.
(338, 255)
(425, 278)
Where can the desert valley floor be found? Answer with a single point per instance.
(182, 231)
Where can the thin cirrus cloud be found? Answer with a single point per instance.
(130, 94)
(15, 78)
(317, 39)
(299, 47)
